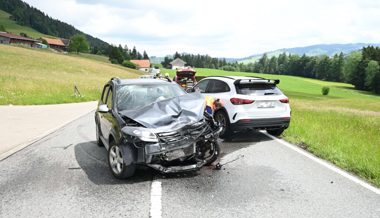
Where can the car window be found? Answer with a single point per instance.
(104, 94)
(201, 86)
(132, 97)
(258, 89)
(217, 86)
(109, 99)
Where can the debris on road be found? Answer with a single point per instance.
(219, 166)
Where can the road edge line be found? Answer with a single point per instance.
(326, 164)
(155, 210)
(21, 146)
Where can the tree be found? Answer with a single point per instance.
(78, 43)
(371, 72)
(129, 64)
(2, 28)
(115, 56)
(145, 55)
(350, 65)
(358, 78)
(134, 53)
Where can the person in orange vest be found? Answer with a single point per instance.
(212, 104)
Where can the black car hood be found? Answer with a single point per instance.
(169, 114)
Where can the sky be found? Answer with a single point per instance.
(220, 28)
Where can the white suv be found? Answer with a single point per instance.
(248, 103)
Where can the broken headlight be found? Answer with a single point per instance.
(141, 133)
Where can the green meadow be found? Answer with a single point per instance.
(342, 127)
(34, 76)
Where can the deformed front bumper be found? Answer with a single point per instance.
(176, 169)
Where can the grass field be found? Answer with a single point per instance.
(34, 76)
(343, 127)
(13, 27)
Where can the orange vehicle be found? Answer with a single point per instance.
(185, 78)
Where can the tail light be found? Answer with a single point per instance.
(241, 101)
(285, 100)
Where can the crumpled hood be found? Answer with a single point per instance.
(169, 114)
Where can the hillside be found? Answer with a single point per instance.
(312, 50)
(12, 27)
(33, 76)
(25, 15)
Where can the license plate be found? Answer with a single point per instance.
(266, 104)
(172, 155)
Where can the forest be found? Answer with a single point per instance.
(360, 68)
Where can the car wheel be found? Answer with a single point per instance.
(222, 119)
(120, 161)
(99, 142)
(275, 132)
(216, 155)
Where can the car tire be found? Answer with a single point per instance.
(275, 132)
(99, 142)
(222, 119)
(215, 157)
(121, 161)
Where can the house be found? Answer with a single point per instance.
(56, 44)
(143, 65)
(178, 64)
(9, 38)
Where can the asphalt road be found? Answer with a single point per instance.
(66, 175)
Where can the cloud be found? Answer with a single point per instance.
(221, 28)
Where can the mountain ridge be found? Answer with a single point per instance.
(310, 50)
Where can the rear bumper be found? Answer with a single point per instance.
(267, 123)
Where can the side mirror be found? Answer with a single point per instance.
(103, 108)
(190, 90)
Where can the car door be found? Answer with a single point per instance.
(107, 118)
(100, 115)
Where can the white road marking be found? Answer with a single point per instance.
(155, 200)
(326, 164)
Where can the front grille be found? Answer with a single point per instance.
(182, 136)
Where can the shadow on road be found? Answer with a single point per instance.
(93, 161)
(242, 140)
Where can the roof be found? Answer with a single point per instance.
(239, 79)
(141, 63)
(57, 42)
(178, 61)
(236, 77)
(13, 36)
(66, 41)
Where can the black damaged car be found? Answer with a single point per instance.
(155, 123)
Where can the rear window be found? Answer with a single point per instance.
(258, 89)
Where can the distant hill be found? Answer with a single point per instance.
(23, 14)
(312, 50)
